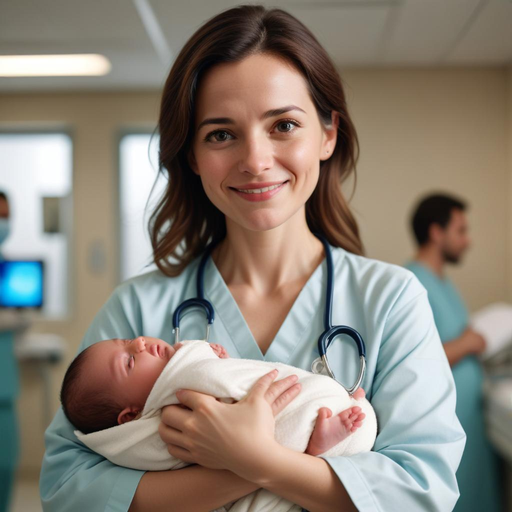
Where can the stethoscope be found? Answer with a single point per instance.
(321, 364)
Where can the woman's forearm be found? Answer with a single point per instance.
(305, 480)
(192, 489)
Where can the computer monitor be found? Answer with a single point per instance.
(21, 283)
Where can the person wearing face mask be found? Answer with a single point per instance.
(440, 228)
(4, 220)
(8, 382)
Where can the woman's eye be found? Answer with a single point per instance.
(289, 123)
(216, 133)
(222, 135)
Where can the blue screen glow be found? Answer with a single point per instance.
(21, 284)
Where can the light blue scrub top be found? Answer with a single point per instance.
(477, 475)
(408, 381)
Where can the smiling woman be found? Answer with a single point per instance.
(276, 103)
(255, 142)
(255, 155)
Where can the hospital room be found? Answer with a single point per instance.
(340, 289)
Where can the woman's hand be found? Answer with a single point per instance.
(236, 437)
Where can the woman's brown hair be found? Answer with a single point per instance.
(184, 215)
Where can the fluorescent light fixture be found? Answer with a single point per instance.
(54, 65)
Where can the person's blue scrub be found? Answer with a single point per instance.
(478, 474)
(408, 381)
(9, 391)
(9, 438)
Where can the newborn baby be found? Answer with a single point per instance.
(115, 390)
(108, 384)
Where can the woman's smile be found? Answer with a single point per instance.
(259, 194)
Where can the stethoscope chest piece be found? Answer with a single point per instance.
(321, 364)
(318, 367)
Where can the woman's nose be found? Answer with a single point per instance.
(257, 155)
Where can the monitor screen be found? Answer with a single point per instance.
(21, 284)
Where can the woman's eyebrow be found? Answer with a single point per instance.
(270, 113)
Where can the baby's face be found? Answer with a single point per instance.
(129, 367)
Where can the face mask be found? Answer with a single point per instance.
(4, 229)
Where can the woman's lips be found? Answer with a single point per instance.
(263, 196)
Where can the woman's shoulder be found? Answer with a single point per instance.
(376, 280)
(140, 305)
(365, 267)
(155, 281)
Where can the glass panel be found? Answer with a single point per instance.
(138, 171)
(36, 175)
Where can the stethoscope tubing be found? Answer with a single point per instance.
(321, 364)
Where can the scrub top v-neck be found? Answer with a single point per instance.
(408, 381)
(291, 332)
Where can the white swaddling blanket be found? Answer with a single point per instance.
(195, 366)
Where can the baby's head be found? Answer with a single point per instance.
(108, 383)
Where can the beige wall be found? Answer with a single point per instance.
(419, 130)
(435, 129)
(509, 140)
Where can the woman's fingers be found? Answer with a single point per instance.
(285, 398)
(261, 386)
(193, 399)
(278, 394)
(175, 416)
(280, 386)
(169, 435)
(175, 440)
(180, 453)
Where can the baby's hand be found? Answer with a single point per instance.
(330, 430)
(220, 350)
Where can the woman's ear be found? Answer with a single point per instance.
(127, 414)
(329, 137)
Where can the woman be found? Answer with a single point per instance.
(254, 101)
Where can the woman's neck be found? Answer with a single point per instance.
(268, 260)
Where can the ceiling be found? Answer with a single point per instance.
(142, 37)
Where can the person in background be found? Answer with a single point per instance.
(8, 384)
(4, 219)
(440, 228)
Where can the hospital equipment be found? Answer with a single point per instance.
(21, 284)
(321, 364)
